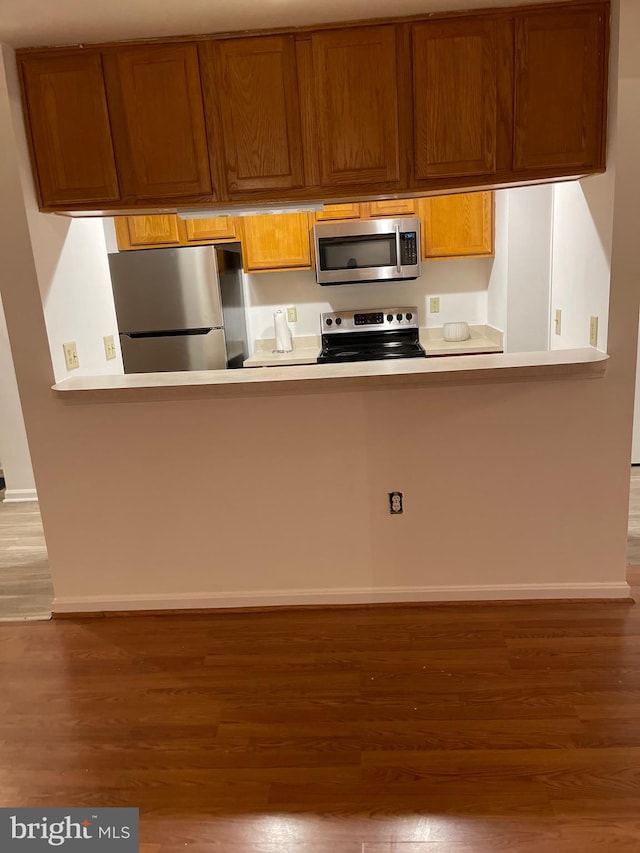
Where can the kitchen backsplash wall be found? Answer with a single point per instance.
(461, 284)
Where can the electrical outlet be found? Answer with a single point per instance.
(395, 503)
(109, 347)
(71, 355)
(292, 314)
(434, 305)
(593, 332)
(558, 321)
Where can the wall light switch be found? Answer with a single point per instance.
(434, 305)
(109, 347)
(292, 314)
(558, 321)
(71, 355)
(593, 332)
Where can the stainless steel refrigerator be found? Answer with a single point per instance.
(180, 309)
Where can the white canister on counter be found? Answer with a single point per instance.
(455, 331)
(284, 341)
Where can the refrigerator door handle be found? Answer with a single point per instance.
(167, 333)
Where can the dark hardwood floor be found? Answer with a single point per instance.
(464, 729)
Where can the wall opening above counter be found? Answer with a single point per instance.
(506, 276)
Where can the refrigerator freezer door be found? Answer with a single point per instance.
(205, 351)
(166, 289)
(233, 309)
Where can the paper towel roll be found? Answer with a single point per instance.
(282, 332)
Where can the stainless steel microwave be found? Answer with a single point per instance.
(373, 250)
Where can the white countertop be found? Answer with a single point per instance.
(312, 378)
(305, 351)
(483, 339)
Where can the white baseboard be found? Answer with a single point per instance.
(387, 595)
(14, 496)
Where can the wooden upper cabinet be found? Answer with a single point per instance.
(147, 232)
(255, 83)
(275, 241)
(207, 230)
(66, 110)
(560, 89)
(455, 98)
(336, 212)
(155, 101)
(393, 207)
(357, 105)
(159, 230)
(410, 106)
(457, 225)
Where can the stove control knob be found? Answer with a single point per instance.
(398, 316)
(329, 321)
(409, 316)
(389, 317)
(338, 321)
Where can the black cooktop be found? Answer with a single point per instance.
(371, 346)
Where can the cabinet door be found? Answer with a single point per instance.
(208, 230)
(147, 232)
(257, 90)
(560, 89)
(357, 105)
(455, 97)
(158, 121)
(275, 242)
(456, 226)
(66, 110)
(393, 207)
(334, 212)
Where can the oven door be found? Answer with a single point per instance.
(374, 250)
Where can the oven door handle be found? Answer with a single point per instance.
(398, 258)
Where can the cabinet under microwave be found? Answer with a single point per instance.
(369, 251)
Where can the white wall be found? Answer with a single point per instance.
(529, 268)
(499, 278)
(487, 469)
(461, 284)
(14, 449)
(581, 268)
(74, 279)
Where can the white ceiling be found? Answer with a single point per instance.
(28, 23)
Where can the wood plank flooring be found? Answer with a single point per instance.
(436, 729)
(26, 591)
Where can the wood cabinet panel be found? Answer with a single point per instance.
(560, 89)
(393, 207)
(275, 241)
(357, 105)
(334, 212)
(457, 225)
(147, 232)
(158, 120)
(66, 108)
(159, 230)
(257, 89)
(214, 228)
(455, 98)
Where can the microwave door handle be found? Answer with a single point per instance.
(398, 258)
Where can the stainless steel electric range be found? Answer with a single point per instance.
(370, 335)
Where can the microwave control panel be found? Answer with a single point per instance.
(408, 248)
